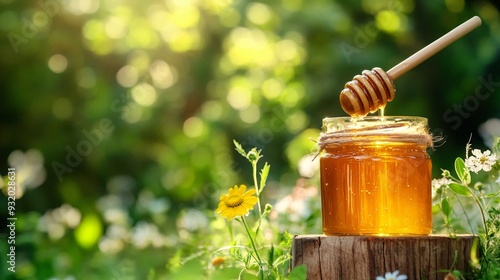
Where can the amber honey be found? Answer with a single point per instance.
(376, 176)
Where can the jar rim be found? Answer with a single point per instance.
(410, 129)
(375, 117)
(376, 124)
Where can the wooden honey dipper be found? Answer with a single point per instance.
(373, 89)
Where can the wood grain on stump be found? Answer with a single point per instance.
(366, 257)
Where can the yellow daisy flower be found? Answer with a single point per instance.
(237, 202)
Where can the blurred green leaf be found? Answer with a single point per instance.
(462, 171)
(270, 257)
(496, 146)
(89, 231)
(298, 273)
(239, 149)
(459, 189)
(225, 273)
(446, 208)
(263, 175)
(192, 269)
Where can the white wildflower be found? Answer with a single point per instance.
(438, 183)
(480, 161)
(392, 276)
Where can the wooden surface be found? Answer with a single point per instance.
(366, 257)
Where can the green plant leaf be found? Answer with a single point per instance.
(298, 273)
(473, 253)
(446, 208)
(462, 171)
(435, 209)
(459, 189)
(492, 195)
(270, 259)
(263, 175)
(192, 269)
(225, 273)
(239, 149)
(246, 275)
(496, 145)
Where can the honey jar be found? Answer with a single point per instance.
(376, 176)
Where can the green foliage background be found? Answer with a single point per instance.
(176, 81)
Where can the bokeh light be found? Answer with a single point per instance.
(144, 94)
(239, 97)
(259, 13)
(163, 75)
(127, 76)
(58, 63)
(80, 7)
(193, 127)
(251, 114)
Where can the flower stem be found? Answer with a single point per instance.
(257, 188)
(483, 217)
(230, 228)
(252, 241)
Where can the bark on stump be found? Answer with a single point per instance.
(366, 257)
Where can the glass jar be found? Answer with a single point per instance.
(376, 176)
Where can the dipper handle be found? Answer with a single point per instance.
(373, 89)
(434, 47)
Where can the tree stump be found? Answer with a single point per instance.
(366, 257)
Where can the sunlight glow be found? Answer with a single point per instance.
(247, 47)
(272, 88)
(127, 76)
(259, 13)
(144, 94)
(185, 17)
(239, 97)
(140, 60)
(250, 114)
(163, 75)
(115, 27)
(287, 50)
(389, 21)
(80, 7)
(133, 113)
(216, 6)
(182, 40)
(292, 95)
(292, 5)
(96, 38)
(212, 110)
(229, 17)
(58, 63)
(158, 17)
(297, 121)
(140, 35)
(193, 127)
